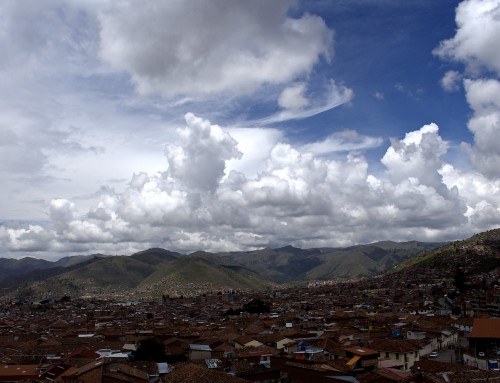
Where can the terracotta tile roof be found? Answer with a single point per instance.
(394, 345)
(436, 366)
(393, 374)
(192, 373)
(83, 352)
(256, 351)
(254, 328)
(224, 347)
(485, 328)
(476, 376)
(19, 370)
(132, 372)
(73, 371)
(244, 339)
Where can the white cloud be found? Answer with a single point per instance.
(293, 98)
(379, 95)
(255, 145)
(200, 161)
(482, 195)
(344, 141)
(332, 96)
(476, 41)
(476, 44)
(211, 47)
(71, 122)
(418, 155)
(296, 198)
(451, 81)
(68, 116)
(484, 98)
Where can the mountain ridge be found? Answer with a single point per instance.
(156, 268)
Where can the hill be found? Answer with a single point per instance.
(12, 267)
(182, 276)
(150, 272)
(480, 253)
(156, 271)
(290, 264)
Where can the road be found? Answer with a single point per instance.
(447, 356)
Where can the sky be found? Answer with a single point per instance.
(227, 125)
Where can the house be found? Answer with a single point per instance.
(405, 351)
(200, 351)
(19, 372)
(484, 342)
(89, 373)
(289, 347)
(246, 341)
(176, 349)
(194, 373)
(309, 353)
(361, 358)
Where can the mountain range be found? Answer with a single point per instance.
(156, 271)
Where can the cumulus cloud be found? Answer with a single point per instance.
(476, 45)
(199, 162)
(418, 155)
(213, 187)
(484, 98)
(222, 47)
(482, 195)
(451, 81)
(34, 238)
(299, 197)
(255, 145)
(476, 41)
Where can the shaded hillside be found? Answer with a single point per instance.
(156, 270)
(39, 275)
(117, 272)
(155, 256)
(76, 259)
(109, 275)
(480, 253)
(367, 260)
(192, 272)
(278, 265)
(11, 267)
(290, 263)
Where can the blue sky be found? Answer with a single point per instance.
(235, 125)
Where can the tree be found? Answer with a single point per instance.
(150, 349)
(256, 306)
(459, 280)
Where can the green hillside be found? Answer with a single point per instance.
(117, 271)
(195, 271)
(343, 264)
(479, 253)
(155, 256)
(289, 263)
(158, 271)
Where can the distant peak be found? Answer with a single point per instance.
(288, 247)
